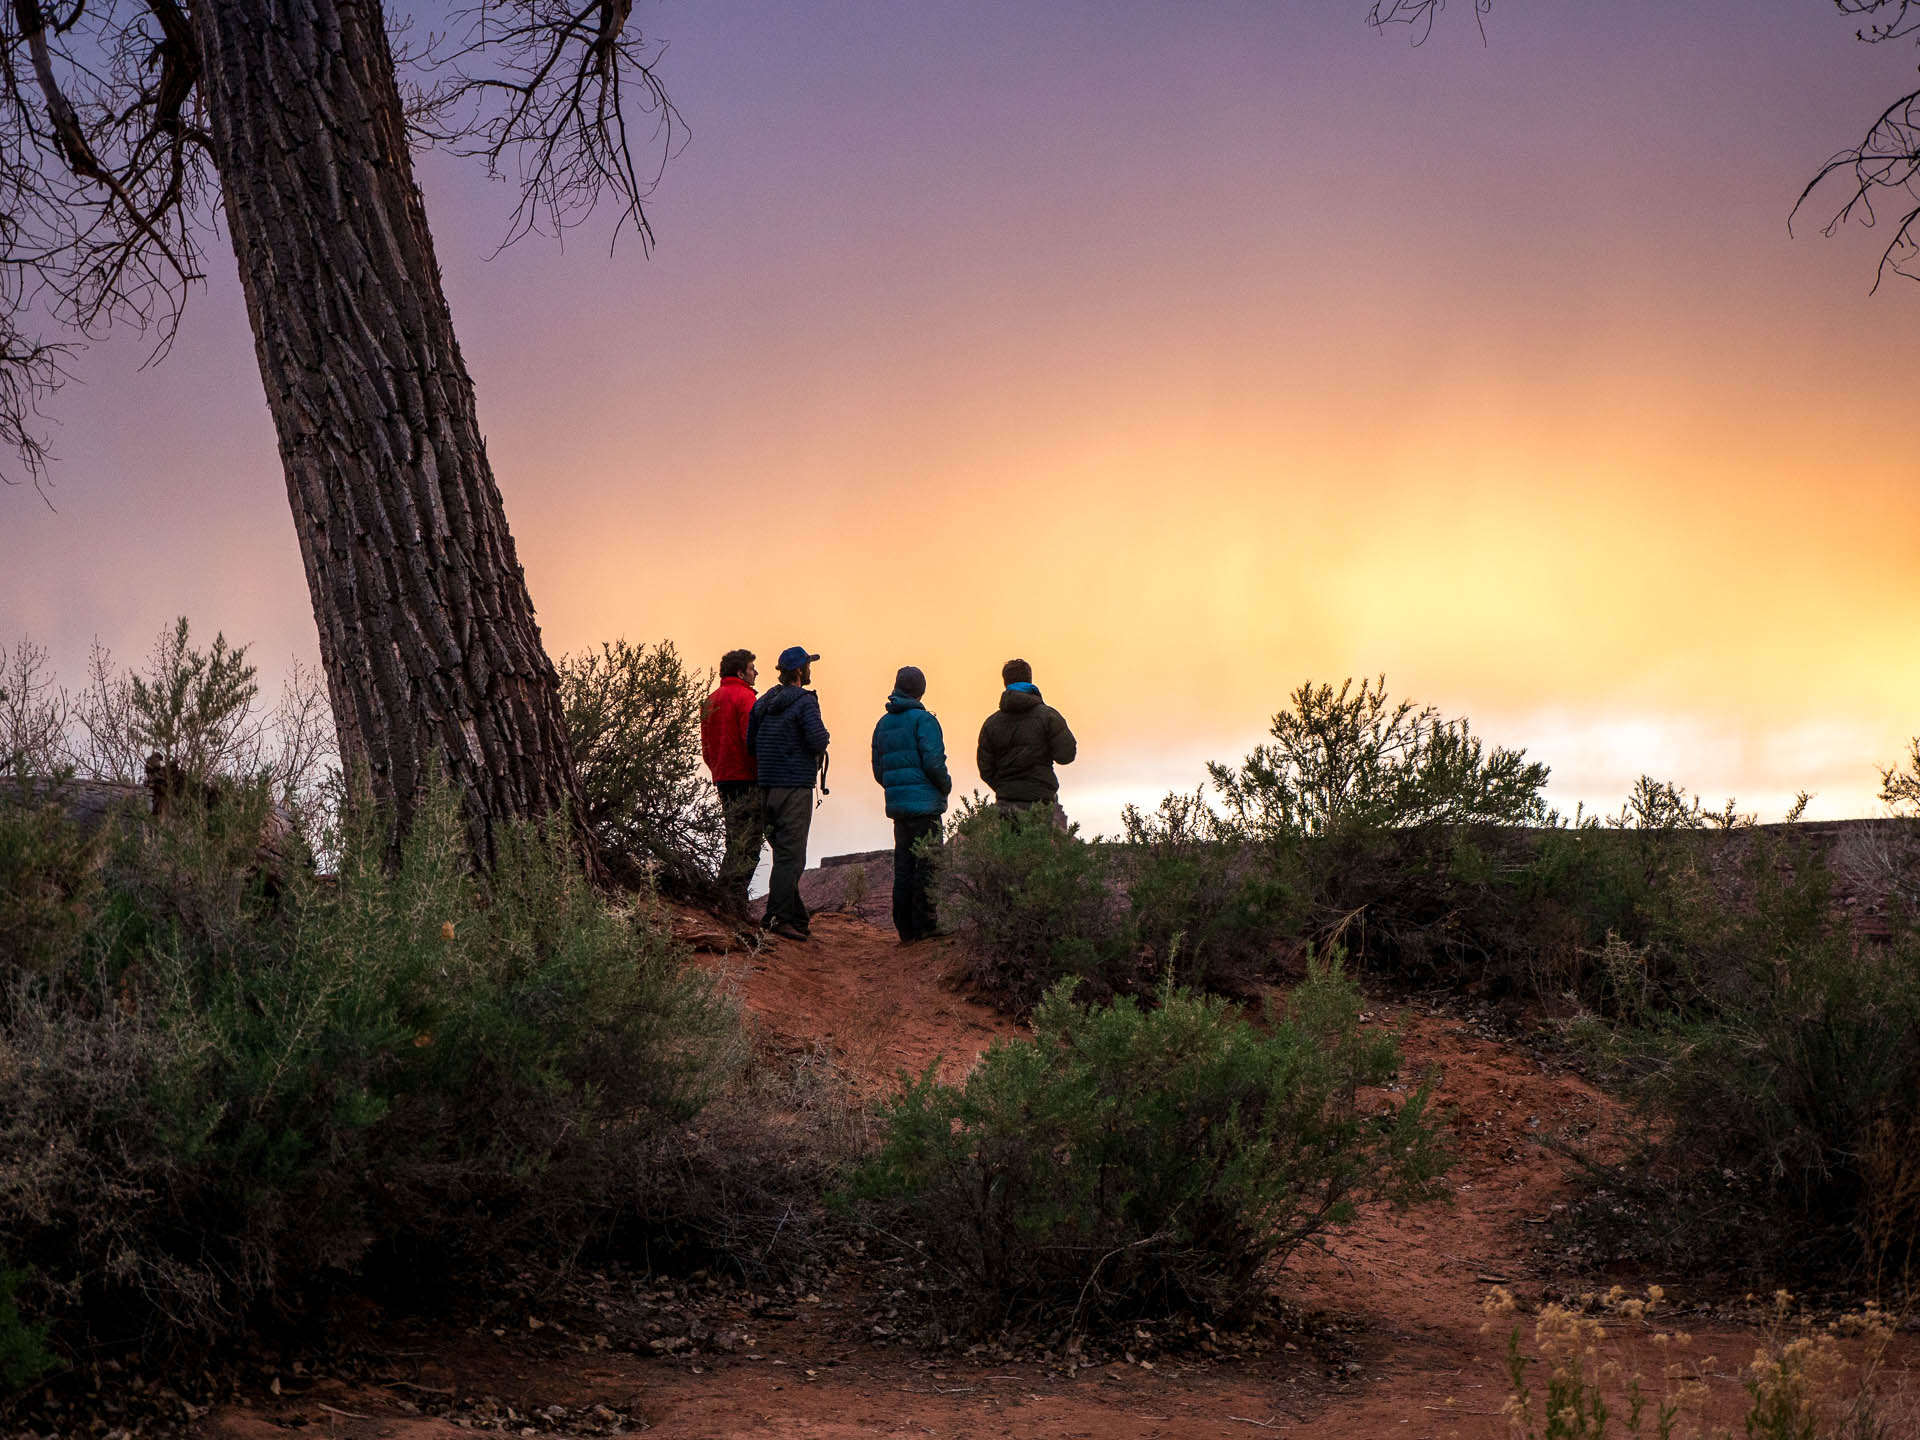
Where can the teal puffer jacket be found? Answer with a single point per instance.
(910, 759)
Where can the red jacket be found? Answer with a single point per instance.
(723, 730)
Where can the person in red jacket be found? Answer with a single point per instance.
(723, 742)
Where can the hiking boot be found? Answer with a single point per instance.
(787, 930)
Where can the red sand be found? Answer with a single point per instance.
(1406, 1287)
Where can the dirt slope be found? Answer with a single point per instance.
(1402, 1291)
(882, 1007)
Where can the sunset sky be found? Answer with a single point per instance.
(1189, 351)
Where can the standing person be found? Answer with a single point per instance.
(1021, 743)
(910, 759)
(723, 742)
(789, 745)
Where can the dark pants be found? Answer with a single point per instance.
(788, 814)
(913, 877)
(740, 806)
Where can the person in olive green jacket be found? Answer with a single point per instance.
(1021, 743)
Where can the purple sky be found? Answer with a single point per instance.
(1191, 351)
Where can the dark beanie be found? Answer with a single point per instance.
(910, 682)
(1016, 672)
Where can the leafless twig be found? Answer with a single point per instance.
(1886, 162)
(554, 91)
(105, 189)
(1420, 15)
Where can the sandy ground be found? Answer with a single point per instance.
(1402, 1291)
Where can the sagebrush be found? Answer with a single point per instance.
(633, 720)
(219, 1093)
(1136, 1158)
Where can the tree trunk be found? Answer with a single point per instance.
(427, 632)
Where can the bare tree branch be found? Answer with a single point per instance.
(1886, 162)
(1420, 15)
(1905, 18)
(544, 89)
(30, 370)
(105, 191)
(72, 140)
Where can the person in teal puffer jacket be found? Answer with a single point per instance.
(910, 760)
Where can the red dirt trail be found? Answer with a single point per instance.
(1404, 1289)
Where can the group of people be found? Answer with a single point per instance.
(768, 751)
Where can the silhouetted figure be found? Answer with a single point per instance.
(723, 743)
(910, 760)
(1021, 743)
(789, 744)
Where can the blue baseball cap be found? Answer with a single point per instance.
(795, 657)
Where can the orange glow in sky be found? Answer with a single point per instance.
(1189, 352)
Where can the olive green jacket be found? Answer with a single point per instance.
(1020, 744)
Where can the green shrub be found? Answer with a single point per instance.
(1034, 903)
(1689, 910)
(1783, 1102)
(1353, 761)
(47, 875)
(219, 1095)
(1394, 826)
(1131, 1159)
(1900, 784)
(1775, 1056)
(192, 714)
(633, 717)
(23, 1347)
(1203, 910)
(1037, 904)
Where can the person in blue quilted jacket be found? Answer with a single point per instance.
(789, 745)
(910, 760)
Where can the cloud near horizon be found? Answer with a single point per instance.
(1189, 356)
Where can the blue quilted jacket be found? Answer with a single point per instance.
(910, 759)
(787, 737)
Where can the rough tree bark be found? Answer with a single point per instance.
(427, 631)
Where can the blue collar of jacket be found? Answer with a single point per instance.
(896, 702)
(1025, 687)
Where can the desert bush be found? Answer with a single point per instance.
(1900, 784)
(194, 715)
(1381, 827)
(1354, 761)
(1774, 1056)
(214, 1098)
(23, 1353)
(1131, 1159)
(46, 875)
(1033, 903)
(1036, 904)
(1394, 825)
(189, 721)
(742, 1188)
(633, 716)
(1607, 917)
(1203, 910)
(34, 715)
(1635, 911)
(1780, 1093)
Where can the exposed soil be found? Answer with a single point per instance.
(1384, 1339)
(882, 1007)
